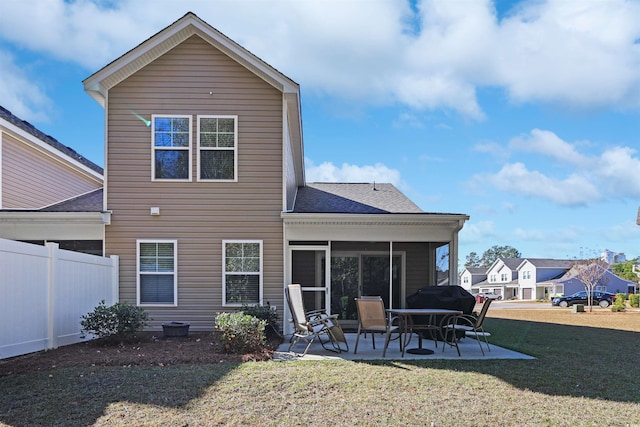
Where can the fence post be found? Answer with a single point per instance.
(51, 286)
(115, 279)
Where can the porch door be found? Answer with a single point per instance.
(309, 269)
(362, 274)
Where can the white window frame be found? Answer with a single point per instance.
(154, 148)
(234, 149)
(174, 273)
(225, 273)
(504, 277)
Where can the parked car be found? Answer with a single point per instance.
(488, 295)
(603, 299)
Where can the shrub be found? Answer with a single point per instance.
(620, 303)
(240, 333)
(115, 323)
(634, 300)
(266, 313)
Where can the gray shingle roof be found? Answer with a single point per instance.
(551, 263)
(90, 202)
(477, 270)
(29, 128)
(353, 198)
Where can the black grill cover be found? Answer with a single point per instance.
(449, 297)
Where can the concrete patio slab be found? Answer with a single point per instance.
(469, 350)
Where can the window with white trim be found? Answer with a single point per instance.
(504, 277)
(242, 275)
(171, 145)
(493, 278)
(157, 282)
(217, 148)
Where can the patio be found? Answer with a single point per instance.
(469, 350)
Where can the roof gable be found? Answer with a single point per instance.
(99, 83)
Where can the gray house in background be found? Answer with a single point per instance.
(569, 284)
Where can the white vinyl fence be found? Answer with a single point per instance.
(45, 290)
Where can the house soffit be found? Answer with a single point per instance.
(100, 82)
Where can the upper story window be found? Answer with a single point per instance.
(493, 278)
(465, 279)
(526, 274)
(217, 148)
(504, 277)
(171, 137)
(157, 267)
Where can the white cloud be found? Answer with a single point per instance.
(582, 54)
(549, 144)
(19, 94)
(619, 172)
(328, 172)
(477, 232)
(587, 178)
(528, 235)
(516, 178)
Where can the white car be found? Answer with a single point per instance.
(490, 295)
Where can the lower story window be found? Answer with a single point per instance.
(157, 281)
(242, 281)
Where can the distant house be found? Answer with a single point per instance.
(205, 180)
(569, 284)
(536, 276)
(502, 278)
(471, 276)
(48, 192)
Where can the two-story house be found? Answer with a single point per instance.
(471, 276)
(502, 278)
(536, 276)
(205, 182)
(48, 192)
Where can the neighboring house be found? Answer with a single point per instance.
(204, 176)
(569, 284)
(502, 278)
(536, 276)
(471, 276)
(48, 192)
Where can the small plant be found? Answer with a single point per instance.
(114, 323)
(619, 304)
(634, 300)
(266, 313)
(240, 332)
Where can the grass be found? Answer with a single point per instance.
(586, 374)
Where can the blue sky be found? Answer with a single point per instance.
(524, 115)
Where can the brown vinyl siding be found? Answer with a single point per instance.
(33, 179)
(199, 215)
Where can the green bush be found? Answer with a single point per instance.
(620, 302)
(634, 300)
(266, 313)
(240, 333)
(114, 323)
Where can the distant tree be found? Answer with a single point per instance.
(493, 253)
(592, 274)
(472, 260)
(625, 270)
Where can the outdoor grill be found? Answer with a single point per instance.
(449, 297)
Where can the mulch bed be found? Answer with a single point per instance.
(146, 349)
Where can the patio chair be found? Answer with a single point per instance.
(310, 325)
(469, 325)
(373, 318)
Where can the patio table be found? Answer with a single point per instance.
(408, 326)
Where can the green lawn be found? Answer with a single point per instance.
(586, 374)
